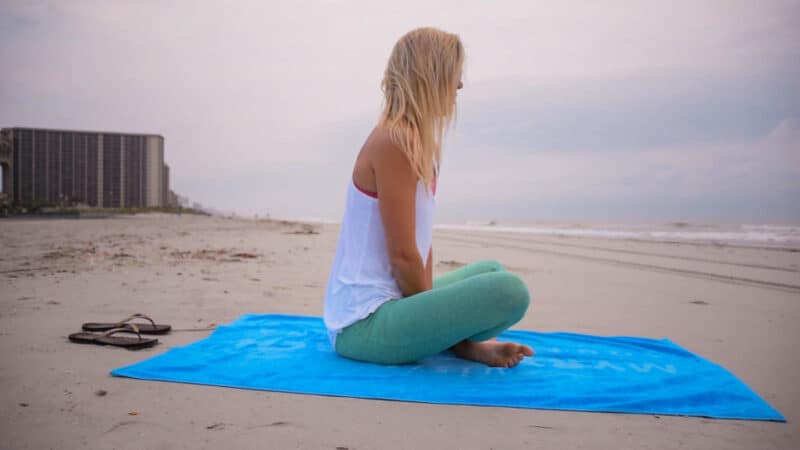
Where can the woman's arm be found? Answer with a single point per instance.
(397, 192)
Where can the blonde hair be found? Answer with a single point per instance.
(419, 88)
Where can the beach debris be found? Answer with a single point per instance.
(208, 254)
(122, 424)
(273, 424)
(100, 393)
(133, 413)
(216, 426)
(452, 263)
(23, 404)
(699, 302)
(304, 229)
(307, 231)
(70, 252)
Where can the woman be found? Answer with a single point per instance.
(381, 303)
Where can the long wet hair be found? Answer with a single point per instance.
(419, 88)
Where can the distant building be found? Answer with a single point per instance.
(183, 202)
(6, 159)
(91, 168)
(174, 200)
(165, 183)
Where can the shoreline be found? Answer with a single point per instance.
(734, 234)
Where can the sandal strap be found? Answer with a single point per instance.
(124, 329)
(124, 322)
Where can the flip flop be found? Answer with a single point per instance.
(144, 328)
(107, 338)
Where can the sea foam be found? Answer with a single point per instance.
(766, 235)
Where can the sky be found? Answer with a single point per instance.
(618, 111)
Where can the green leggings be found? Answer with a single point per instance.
(476, 302)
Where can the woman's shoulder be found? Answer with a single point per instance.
(380, 140)
(380, 148)
(379, 157)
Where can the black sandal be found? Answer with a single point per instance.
(144, 328)
(107, 338)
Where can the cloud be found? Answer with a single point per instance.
(723, 180)
(633, 113)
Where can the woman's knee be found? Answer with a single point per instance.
(511, 291)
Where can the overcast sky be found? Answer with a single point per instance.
(571, 110)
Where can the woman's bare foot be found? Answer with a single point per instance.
(492, 353)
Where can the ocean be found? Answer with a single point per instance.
(751, 235)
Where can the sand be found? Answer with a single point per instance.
(736, 306)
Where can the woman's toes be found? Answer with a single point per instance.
(525, 350)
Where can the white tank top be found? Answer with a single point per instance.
(361, 278)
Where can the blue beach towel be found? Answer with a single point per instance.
(569, 372)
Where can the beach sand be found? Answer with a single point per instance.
(739, 307)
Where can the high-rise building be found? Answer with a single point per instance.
(92, 168)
